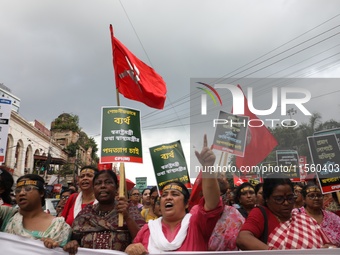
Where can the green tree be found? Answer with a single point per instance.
(66, 122)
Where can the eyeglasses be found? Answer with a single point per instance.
(64, 197)
(281, 199)
(26, 188)
(315, 196)
(136, 194)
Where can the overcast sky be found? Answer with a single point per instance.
(56, 55)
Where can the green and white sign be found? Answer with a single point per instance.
(169, 164)
(121, 139)
(141, 183)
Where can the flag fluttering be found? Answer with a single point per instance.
(261, 143)
(196, 192)
(135, 79)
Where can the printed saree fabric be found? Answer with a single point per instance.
(223, 238)
(330, 225)
(59, 230)
(300, 232)
(98, 231)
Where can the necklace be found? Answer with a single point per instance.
(103, 213)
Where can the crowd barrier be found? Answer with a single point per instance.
(16, 245)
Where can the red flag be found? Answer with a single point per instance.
(196, 192)
(135, 79)
(262, 142)
(106, 166)
(238, 180)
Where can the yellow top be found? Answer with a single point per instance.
(146, 216)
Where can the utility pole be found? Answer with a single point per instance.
(75, 168)
(47, 162)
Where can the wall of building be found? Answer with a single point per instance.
(25, 141)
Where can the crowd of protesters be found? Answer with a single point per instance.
(273, 215)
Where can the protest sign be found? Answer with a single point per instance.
(325, 154)
(141, 183)
(121, 139)
(230, 133)
(288, 164)
(169, 164)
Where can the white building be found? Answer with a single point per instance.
(28, 147)
(6, 93)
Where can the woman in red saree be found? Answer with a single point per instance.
(276, 227)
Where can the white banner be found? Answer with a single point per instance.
(17, 245)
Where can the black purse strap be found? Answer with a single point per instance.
(264, 236)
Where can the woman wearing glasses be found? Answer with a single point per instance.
(329, 221)
(64, 196)
(275, 227)
(30, 220)
(135, 198)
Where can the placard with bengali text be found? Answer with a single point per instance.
(121, 139)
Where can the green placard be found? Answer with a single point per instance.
(141, 183)
(169, 164)
(121, 139)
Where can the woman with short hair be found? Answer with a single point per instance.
(134, 195)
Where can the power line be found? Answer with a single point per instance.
(186, 98)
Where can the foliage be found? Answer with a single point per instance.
(72, 149)
(67, 122)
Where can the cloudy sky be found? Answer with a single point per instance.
(56, 55)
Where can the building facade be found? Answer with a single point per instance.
(28, 148)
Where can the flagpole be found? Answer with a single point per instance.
(113, 58)
(121, 190)
(225, 162)
(219, 163)
(121, 167)
(117, 96)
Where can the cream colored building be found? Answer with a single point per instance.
(28, 145)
